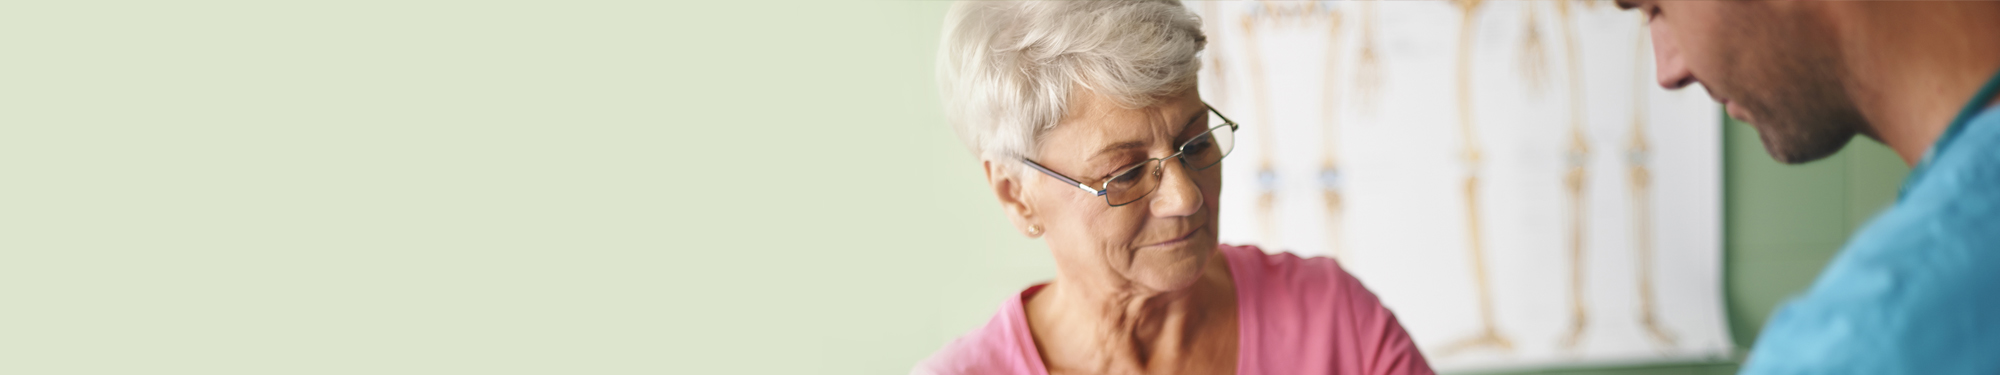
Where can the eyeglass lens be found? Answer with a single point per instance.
(1200, 153)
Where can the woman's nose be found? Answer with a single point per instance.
(1178, 194)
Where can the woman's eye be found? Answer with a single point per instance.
(1122, 181)
(1127, 176)
(1116, 177)
(1198, 145)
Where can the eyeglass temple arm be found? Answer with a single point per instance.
(1064, 179)
(1218, 114)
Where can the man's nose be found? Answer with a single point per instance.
(1671, 69)
(1178, 194)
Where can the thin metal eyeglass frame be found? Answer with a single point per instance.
(1179, 153)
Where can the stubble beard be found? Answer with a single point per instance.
(1806, 115)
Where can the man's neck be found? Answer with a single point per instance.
(1913, 65)
(1084, 328)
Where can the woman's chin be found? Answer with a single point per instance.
(1167, 269)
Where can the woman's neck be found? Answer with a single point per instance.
(1100, 327)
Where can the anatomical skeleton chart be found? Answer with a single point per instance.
(1501, 173)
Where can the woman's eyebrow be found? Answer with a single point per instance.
(1193, 119)
(1120, 146)
(1129, 145)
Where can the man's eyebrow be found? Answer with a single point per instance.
(1624, 4)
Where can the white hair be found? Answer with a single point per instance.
(1007, 70)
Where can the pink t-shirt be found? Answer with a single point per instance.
(1295, 317)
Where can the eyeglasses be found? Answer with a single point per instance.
(1128, 185)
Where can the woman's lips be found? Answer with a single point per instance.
(1183, 238)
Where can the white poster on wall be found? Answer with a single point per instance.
(1506, 176)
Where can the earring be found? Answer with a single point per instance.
(1035, 230)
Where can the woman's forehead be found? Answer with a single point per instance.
(1123, 121)
(1115, 129)
(1096, 122)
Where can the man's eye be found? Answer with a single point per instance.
(1652, 12)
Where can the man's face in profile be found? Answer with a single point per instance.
(1773, 64)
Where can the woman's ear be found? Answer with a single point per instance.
(1012, 192)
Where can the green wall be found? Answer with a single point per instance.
(472, 187)
(1786, 221)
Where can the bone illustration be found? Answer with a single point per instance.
(1267, 173)
(1638, 157)
(1367, 66)
(1578, 157)
(1489, 335)
(1329, 167)
(1534, 60)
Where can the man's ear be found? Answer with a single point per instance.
(1012, 192)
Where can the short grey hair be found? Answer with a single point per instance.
(1007, 70)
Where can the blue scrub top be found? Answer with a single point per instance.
(1916, 291)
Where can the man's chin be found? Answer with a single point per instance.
(1800, 149)
(1730, 108)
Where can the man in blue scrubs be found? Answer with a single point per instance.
(1917, 290)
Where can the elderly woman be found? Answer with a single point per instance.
(1086, 118)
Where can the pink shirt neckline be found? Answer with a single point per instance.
(1316, 317)
(1017, 313)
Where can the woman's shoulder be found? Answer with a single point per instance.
(1003, 346)
(1285, 270)
(1308, 315)
(1287, 287)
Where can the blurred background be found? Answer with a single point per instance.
(1506, 176)
(602, 187)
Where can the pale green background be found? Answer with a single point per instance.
(581, 187)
